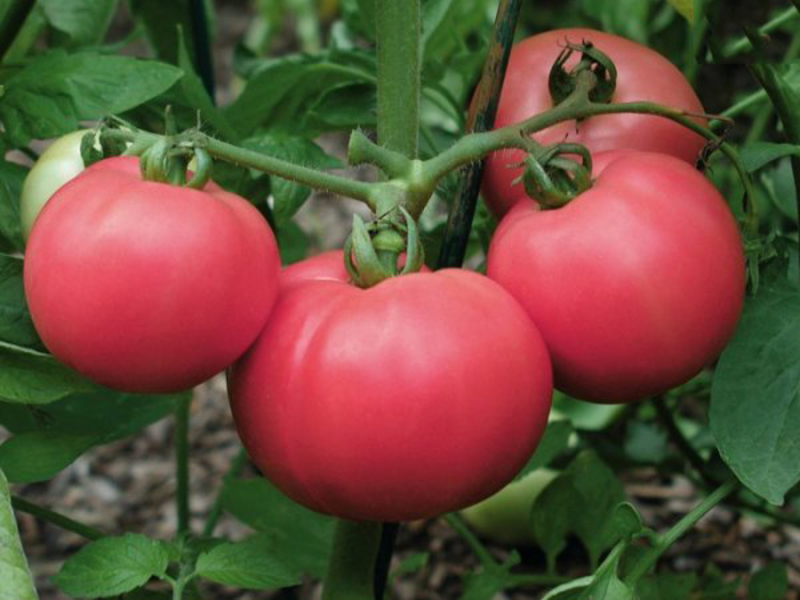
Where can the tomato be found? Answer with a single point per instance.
(636, 284)
(643, 74)
(505, 517)
(59, 163)
(144, 286)
(415, 397)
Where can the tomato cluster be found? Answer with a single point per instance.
(427, 392)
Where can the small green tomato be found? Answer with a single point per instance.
(505, 517)
(58, 164)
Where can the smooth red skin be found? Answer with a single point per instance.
(148, 287)
(642, 74)
(635, 285)
(418, 396)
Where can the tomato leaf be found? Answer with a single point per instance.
(755, 395)
(11, 177)
(56, 90)
(14, 572)
(666, 586)
(302, 538)
(685, 8)
(491, 579)
(32, 377)
(284, 92)
(83, 22)
(254, 563)
(769, 583)
(758, 154)
(50, 438)
(16, 326)
(578, 501)
(112, 566)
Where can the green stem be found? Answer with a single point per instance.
(649, 559)
(398, 32)
(90, 533)
(743, 44)
(458, 525)
(216, 509)
(181, 435)
(352, 564)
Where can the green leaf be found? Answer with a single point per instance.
(32, 377)
(553, 442)
(551, 518)
(16, 326)
(15, 576)
(292, 242)
(255, 563)
(48, 97)
(51, 438)
(755, 395)
(758, 154)
(586, 415)
(289, 196)
(304, 537)
(598, 494)
(112, 566)
(83, 22)
(627, 18)
(666, 586)
(161, 21)
(645, 442)
(11, 177)
(582, 500)
(285, 91)
(769, 583)
(38, 456)
(491, 579)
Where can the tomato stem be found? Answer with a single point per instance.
(649, 559)
(352, 565)
(90, 533)
(398, 32)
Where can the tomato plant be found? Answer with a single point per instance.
(643, 74)
(418, 396)
(59, 163)
(636, 284)
(125, 286)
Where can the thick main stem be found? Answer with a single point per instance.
(352, 565)
(398, 44)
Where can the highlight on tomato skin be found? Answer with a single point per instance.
(636, 285)
(643, 75)
(413, 398)
(144, 286)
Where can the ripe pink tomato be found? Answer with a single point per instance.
(636, 284)
(144, 286)
(418, 396)
(643, 74)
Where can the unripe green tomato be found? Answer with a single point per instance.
(58, 164)
(505, 517)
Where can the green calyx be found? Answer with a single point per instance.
(167, 160)
(553, 178)
(372, 252)
(562, 83)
